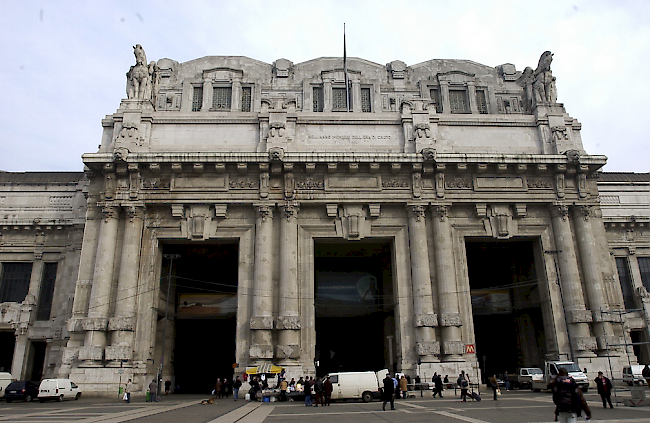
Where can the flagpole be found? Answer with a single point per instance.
(345, 71)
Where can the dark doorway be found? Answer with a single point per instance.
(204, 289)
(37, 360)
(354, 306)
(508, 324)
(8, 342)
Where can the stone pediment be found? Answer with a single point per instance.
(223, 74)
(456, 77)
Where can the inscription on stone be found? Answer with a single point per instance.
(310, 183)
(458, 183)
(340, 183)
(367, 137)
(497, 183)
(395, 183)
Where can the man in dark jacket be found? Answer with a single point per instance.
(388, 393)
(328, 390)
(567, 398)
(604, 386)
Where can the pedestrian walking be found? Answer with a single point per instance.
(127, 391)
(217, 388)
(284, 385)
(495, 386)
(235, 388)
(646, 374)
(388, 391)
(168, 386)
(403, 386)
(308, 402)
(153, 389)
(463, 383)
(604, 386)
(328, 390)
(506, 381)
(437, 385)
(395, 390)
(568, 398)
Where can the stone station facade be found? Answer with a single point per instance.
(278, 157)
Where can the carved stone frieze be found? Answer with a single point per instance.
(261, 351)
(90, 352)
(288, 351)
(450, 319)
(585, 343)
(315, 182)
(426, 320)
(453, 347)
(119, 352)
(428, 154)
(288, 322)
(395, 183)
(424, 348)
(243, 183)
(155, 183)
(95, 323)
(540, 183)
(261, 323)
(276, 153)
(579, 316)
(458, 183)
(121, 323)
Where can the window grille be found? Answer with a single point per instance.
(339, 103)
(365, 100)
(47, 291)
(435, 97)
(197, 99)
(15, 282)
(644, 268)
(481, 103)
(626, 282)
(318, 99)
(458, 101)
(221, 98)
(246, 99)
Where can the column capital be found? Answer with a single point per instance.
(416, 211)
(264, 211)
(110, 211)
(584, 212)
(559, 210)
(290, 210)
(135, 211)
(441, 211)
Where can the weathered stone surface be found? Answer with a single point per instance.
(587, 343)
(288, 322)
(453, 347)
(121, 323)
(453, 319)
(288, 351)
(261, 351)
(95, 323)
(262, 323)
(579, 316)
(427, 348)
(119, 352)
(70, 354)
(428, 320)
(91, 353)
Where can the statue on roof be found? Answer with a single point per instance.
(139, 84)
(544, 82)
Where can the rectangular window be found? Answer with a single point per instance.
(481, 103)
(221, 98)
(458, 101)
(47, 291)
(435, 97)
(318, 99)
(197, 99)
(365, 100)
(644, 268)
(15, 281)
(339, 100)
(246, 96)
(626, 282)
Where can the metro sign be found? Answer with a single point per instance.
(470, 349)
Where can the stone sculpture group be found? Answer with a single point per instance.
(142, 80)
(540, 83)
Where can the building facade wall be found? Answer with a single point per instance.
(427, 157)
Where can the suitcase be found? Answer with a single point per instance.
(476, 396)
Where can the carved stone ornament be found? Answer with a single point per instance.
(426, 320)
(429, 154)
(130, 132)
(288, 322)
(424, 348)
(458, 183)
(261, 323)
(544, 88)
(416, 211)
(121, 323)
(442, 212)
(142, 80)
(276, 129)
(310, 183)
(642, 292)
(572, 156)
(395, 183)
(560, 211)
(288, 351)
(453, 347)
(422, 130)
(276, 154)
(120, 154)
(261, 351)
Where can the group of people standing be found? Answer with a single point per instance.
(224, 388)
(322, 390)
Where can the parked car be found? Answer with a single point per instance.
(5, 379)
(632, 374)
(58, 389)
(21, 390)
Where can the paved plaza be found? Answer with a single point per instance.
(513, 406)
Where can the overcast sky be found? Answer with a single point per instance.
(63, 63)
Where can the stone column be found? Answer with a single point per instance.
(424, 318)
(572, 297)
(593, 282)
(327, 96)
(35, 280)
(449, 319)
(122, 324)
(20, 355)
(289, 311)
(100, 296)
(355, 93)
(235, 100)
(471, 97)
(207, 95)
(444, 96)
(262, 321)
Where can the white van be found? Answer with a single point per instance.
(360, 385)
(632, 374)
(58, 389)
(5, 380)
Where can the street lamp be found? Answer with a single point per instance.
(171, 258)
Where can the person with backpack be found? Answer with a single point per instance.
(604, 386)
(567, 397)
(463, 383)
